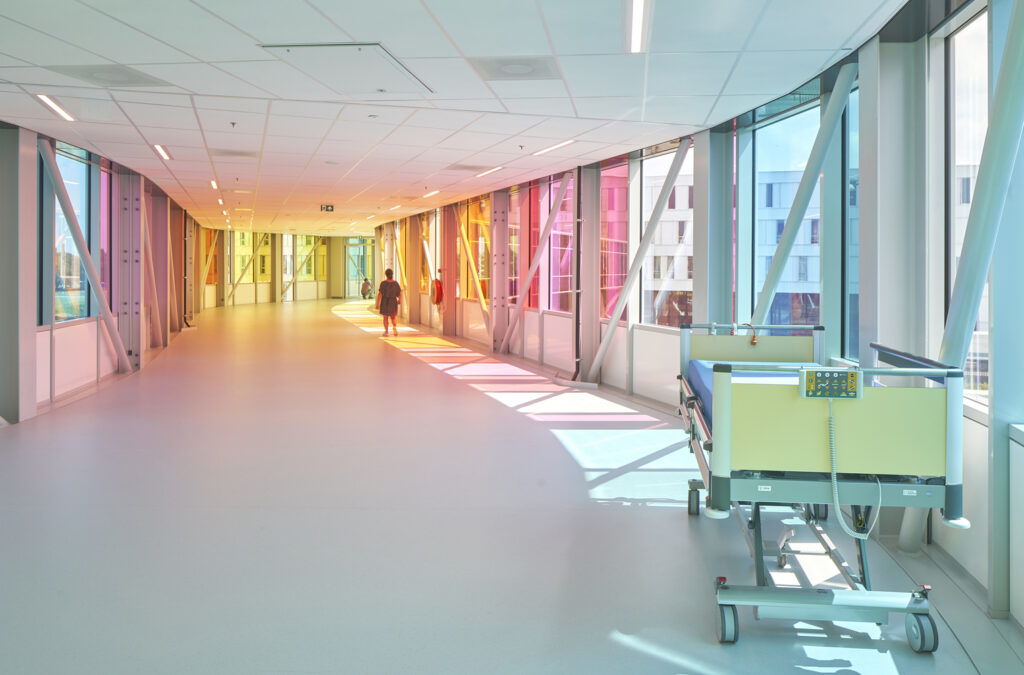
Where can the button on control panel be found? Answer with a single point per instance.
(830, 383)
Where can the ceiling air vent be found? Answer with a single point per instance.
(516, 68)
(227, 152)
(352, 67)
(110, 76)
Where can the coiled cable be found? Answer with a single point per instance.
(835, 484)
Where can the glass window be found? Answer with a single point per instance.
(211, 241)
(71, 288)
(615, 234)
(851, 251)
(561, 248)
(968, 123)
(263, 264)
(479, 235)
(666, 291)
(513, 244)
(780, 154)
(105, 237)
(534, 215)
(242, 250)
(424, 250)
(288, 265)
(304, 257)
(321, 260)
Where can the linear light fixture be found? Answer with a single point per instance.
(396, 206)
(637, 29)
(224, 212)
(220, 201)
(431, 194)
(163, 153)
(554, 147)
(56, 108)
(368, 217)
(489, 171)
(213, 184)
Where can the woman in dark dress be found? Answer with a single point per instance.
(389, 296)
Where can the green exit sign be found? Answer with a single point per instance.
(328, 208)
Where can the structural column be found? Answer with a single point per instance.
(413, 256)
(449, 229)
(712, 226)
(157, 240)
(589, 301)
(19, 234)
(499, 267)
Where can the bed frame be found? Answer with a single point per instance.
(898, 444)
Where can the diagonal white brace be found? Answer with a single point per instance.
(830, 123)
(542, 242)
(209, 257)
(633, 275)
(295, 275)
(50, 163)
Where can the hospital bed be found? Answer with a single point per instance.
(771, 426)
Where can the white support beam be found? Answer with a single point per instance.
(50, 163)
(245, 269)
(524, 288)
(830, 123)
(633, 276)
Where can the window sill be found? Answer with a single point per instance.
(654, 328)
(976, 412)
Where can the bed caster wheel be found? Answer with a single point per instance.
(922, 634)
(728, 624)
(693, 503)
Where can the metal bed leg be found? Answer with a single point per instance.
(758, 545)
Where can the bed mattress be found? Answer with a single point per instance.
(701, 378)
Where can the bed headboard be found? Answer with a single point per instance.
(769, 348)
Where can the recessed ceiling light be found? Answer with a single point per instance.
(213, 184)
(637, 37)
(163, 153)
(554, 147)
(220, 201)
(431, 194)
(56, 108)
(352, 223)
(224, 212)
(396, 206)
(489, 171)
(368, 217)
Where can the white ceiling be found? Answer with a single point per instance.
(280, 141)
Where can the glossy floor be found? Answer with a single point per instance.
(284, 491)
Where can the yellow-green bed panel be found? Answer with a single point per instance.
(769, 348)
(891, 430)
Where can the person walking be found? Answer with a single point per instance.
(389, 297)
(366, 288)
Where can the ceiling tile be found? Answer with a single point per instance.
(678, 109)
(541, 106)
(591, 27)
(417, 34)
(470, 140)
(127, 96)
(92, 110)
(171, 117)
(620, 75)
(17, 104)
(609, 107)
(773, 73)
(505, 124)
(233, 141)
(727, 107)
(562, 128)
(529, 88)
(442, 119)
(201, 78)
(37, 76)
(300, 127)
(186, 26)
(693, 73)
(327, 111)
(232, 122)
(38, 48)
(178, 138)
(279, 79)
(471, 24)
(418, 136)
(822, 25)
(448, 78)
(276, 21)
(375, 114)
(473, 104)
(723, 25)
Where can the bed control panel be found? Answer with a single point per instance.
(830, 383)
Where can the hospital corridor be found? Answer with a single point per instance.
(567, 337)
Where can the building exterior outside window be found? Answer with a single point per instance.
(666, 292)
(614, 233)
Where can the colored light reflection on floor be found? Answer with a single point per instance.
(624, 453)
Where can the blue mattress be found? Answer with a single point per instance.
(701, 378)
